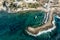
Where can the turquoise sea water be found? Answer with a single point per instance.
(13, 25)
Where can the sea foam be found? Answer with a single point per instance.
(45, 31)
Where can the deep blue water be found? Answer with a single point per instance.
(13, 25)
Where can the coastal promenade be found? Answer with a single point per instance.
(33, 9)
(44, 27)
(24, 9)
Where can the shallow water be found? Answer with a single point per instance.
(13, 25)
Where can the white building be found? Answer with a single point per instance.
(30, 1)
